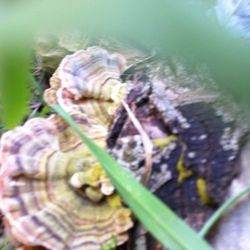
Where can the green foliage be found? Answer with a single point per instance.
(222, 210)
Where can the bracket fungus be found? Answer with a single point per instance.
(89, 82)
(53, 192)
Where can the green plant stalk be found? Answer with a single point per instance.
(160, 221)
(219, 213)
(37, 86)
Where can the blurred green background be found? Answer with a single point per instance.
(185, 28)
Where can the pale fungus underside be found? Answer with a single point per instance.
(53, 192)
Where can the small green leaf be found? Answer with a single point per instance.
(156, 217)
(222, 210)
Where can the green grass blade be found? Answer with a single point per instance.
(37, 86)
(156, 217)
(218, 214)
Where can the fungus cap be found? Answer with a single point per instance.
(40, 205)
(89, 81)
(54, 193)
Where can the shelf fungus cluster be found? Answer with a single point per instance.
(53, 192)
(178, 141)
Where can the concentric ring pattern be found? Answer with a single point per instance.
(53, 192)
